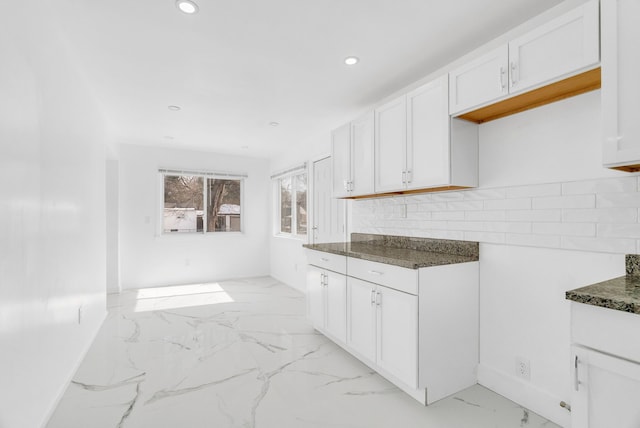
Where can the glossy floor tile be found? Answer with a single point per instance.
(241, 354)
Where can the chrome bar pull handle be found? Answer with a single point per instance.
(378, 299)
(576, 382)
(373, 297)
(408, 176)
(503, 73)
(513, 73)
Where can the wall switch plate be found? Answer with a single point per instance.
(402, 211)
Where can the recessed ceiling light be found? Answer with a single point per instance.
(174, 108)
(187, 6)
(274, 123)
(351, 60)
(168, 137)
(244, 147)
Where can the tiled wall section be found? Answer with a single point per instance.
(595, 215)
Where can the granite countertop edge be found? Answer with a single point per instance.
(621, 294)
(415, 259)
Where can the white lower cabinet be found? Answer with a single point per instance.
(605, 365)
(382, 327)
(416, 327)
(327, 296)
(606, 390)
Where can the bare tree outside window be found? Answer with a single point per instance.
(189, 199)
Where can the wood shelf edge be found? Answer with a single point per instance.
(409, 192)
(587, 81)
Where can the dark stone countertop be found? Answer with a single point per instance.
(412, 258)
(622, 294)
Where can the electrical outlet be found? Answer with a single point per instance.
(523, 368)
(187, 262)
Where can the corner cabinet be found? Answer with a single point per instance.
(418, 146)
(416, 327)
(352, 158)
(605, 366)
(553, 52)
(620, 84)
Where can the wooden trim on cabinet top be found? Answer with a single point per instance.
(410, 192)
(566, 88)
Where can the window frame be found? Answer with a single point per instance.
(206, 175)
(277, 179)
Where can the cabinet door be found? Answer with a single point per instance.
(480, 81)
(390, 146)
(620, 83)
(362, 155)
(397, 334)
(340, 158)
(428, 156)
(315, 296)
(564, 45)
(605, 390)
(361, 317)
(336, 305)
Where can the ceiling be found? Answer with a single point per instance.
(238, 65)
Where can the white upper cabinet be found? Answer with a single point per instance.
(554, 51)
(560, 47)
(428, 155)
(341, 161)
(362, 155)
(620, 84)
(390, 145)
(480, 81)
(418, 146)
(352, 158)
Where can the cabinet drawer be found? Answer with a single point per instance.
(396, 277)
(329, 261)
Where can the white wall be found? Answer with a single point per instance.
(150, 259)
(52, 215)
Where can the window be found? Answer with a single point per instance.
(292, 203)
(201, 202)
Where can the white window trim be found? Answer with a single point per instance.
(291, 172)
(162, 172)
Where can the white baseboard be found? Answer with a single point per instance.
(525, 394)
(63, 388)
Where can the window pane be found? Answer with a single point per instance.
(223, 205)
(301, 204)
(182, 204)
(285, 205)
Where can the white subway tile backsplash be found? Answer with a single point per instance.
(502, 226)
(592, 215)
(619, 230)
(574, 201)
(534, 215)
(491, 237)
(484, 194)
(446, 196)
(466, 205)
(547, 241)
(608, 185)
(570, 229)
(618, 200)
(554, 189)
(489, 215)
(508, 204)
(447, 215)
(600, 215)
(464, 225)
(611, 245)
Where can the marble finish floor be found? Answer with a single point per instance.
(242, 354)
